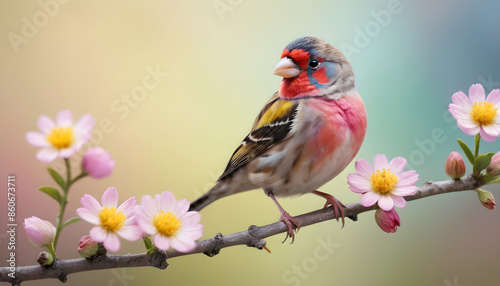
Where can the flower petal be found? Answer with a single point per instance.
(491, 129)
(458, 112)
(182, 245)
(110, 198)
(98, 234)
(380, 162)
(112, 242)
(397, 165)
(182, 207)
(191, 218)
(67, 152)
(45, 124)
(146, 224)
(487, 137)
(386, 203)
(37, 139)
(469, 131)
(130, 232)
(459, 98)
(90, 203)
(407, 178)
(64, 118)
(85, 124)
(127, 207)
(161, 242)
(494, 97)
(149, 207)
(358, 183)
(368, 199)
(166, 202)
(468, 123)
(399, 201)
(192, 232)
(47, 154)
(364, 168)
(476, 93)
(404, 190)
(88, 216)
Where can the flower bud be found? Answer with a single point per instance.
(486, 198)
(87, 247)
(40, 232)
(388, 221)
(454, 165)
(97, 162)
(45, 259)
(494, 167)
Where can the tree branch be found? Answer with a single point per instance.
(252, 237)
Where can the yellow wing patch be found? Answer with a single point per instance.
(279, 109)
(271, 127)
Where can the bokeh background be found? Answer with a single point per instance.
(213, 61)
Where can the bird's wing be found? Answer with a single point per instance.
(272, 126)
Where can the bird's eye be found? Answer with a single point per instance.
(313, 63)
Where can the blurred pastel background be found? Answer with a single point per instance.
(211, 63)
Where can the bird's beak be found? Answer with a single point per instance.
(286, 68)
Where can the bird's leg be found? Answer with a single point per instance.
(338, 207)
(286, 218)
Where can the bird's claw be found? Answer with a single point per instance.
(291, 223)
(338, 207)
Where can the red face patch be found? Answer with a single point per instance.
(320, 75)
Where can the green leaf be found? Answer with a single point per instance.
(147, 243)
(467, 151)
(482, 161)
(57, 177)
(71, 220)
(53, 192)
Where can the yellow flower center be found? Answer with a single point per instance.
(383, 180)
(111, 220)
(483, 112)
(167, 224)
(61, 137)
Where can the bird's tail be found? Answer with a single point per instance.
(218, 191)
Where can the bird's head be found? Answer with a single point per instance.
(311, 67)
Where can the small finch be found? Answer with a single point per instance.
(304, 136)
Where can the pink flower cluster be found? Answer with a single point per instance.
(169, 222)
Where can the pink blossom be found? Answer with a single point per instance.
(477, 114)
(40, 232)
(169, 222)
(110, 221)
(386, 184)
(97, 162)
(62, 138)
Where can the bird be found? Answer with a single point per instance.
(304, 136)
